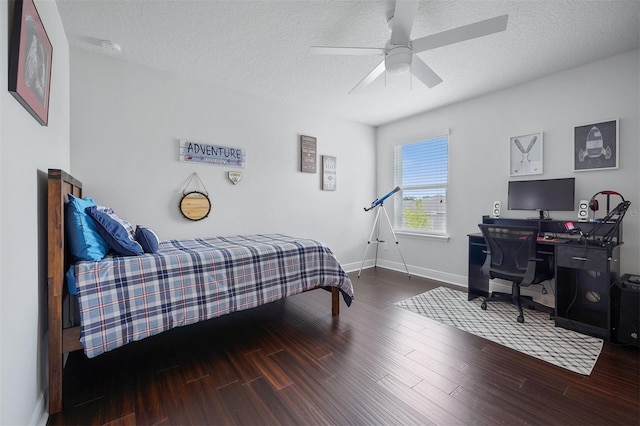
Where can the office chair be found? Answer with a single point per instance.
(511, 255)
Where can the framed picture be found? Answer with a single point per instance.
(596, 146)
(30, 61)
(329, 167)
(308, 154)
(525, 153)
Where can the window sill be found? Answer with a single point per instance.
(436, 237)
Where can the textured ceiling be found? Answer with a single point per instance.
(262, 47)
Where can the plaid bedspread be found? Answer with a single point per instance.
(128, 298)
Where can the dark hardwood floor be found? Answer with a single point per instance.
(291, 362)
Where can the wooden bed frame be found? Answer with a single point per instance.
(64, 340)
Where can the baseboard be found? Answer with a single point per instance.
(457, 280)
(353, 267)
(40, 415)
(461, 280)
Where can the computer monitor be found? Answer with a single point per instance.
(544, 195)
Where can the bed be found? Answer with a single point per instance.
(100, 305)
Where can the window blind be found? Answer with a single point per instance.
(421, 171)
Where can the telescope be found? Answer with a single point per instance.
(378, 201)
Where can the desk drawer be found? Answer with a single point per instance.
(583, 257)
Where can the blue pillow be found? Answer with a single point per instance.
(117, 232)
(85, 243)
(147, 239)
(71, 280)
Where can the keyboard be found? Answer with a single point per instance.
(553, 240)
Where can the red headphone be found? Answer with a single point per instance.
(593, 203)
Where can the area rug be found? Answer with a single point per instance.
(537, 336)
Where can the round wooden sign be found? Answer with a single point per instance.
(195, 205)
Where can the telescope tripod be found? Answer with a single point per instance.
(378, 241)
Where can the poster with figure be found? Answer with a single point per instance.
(526, 154)
(595, 146)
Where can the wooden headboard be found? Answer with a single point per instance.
(61, 341)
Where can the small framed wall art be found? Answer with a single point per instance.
(308, 147)
(30, 61)
(526, 154)
(329, 168)
(596, 146)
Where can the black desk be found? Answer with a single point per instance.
(579, 269)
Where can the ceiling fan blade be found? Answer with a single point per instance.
(456, 35)
(369, 78)
(357, 51)
(424, 73)
(403, 17)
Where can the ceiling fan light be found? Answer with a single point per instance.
(398, 60)
(110, 47)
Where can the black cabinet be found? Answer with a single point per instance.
(584, 274)
(478, 283)
(625, 310)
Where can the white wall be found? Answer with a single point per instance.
(479, 155)
(126, 124)
(27, 150)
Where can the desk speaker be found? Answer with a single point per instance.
(495, 210)
(625, 310)
(583, 210)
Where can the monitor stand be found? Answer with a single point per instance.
(541, 217)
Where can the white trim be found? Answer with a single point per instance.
(441, 237)
(461, 281)
(458, 280)
(355, 266)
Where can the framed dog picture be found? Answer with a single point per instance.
(30, 61)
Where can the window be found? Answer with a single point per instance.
(421, 171)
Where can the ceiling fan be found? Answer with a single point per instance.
(400, 51)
